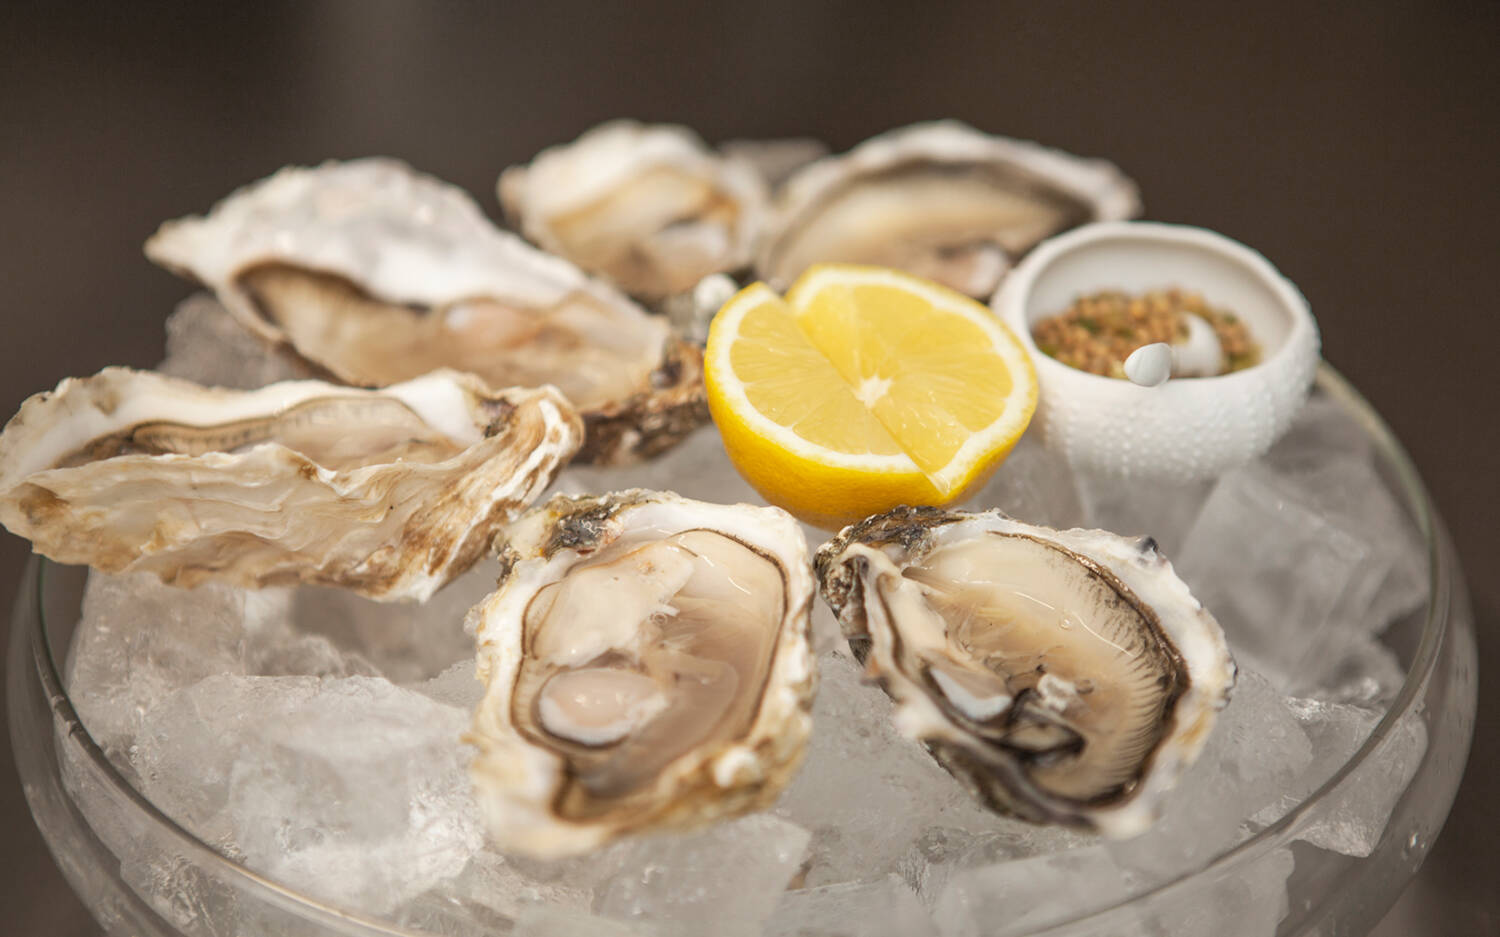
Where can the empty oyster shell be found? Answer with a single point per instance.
(648, 666)
(940, 200)
(1063, 676)
(647, 206)
(390, 493)
(378, 274)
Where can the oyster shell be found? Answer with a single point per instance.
(940, 200)
(378, 274)
(390, 493)
(647, 206)
(1063, 676)
(648, 666)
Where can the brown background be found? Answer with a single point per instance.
(1356, 148)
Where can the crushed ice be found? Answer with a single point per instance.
(314, 736)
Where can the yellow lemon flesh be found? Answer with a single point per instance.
(864, 389)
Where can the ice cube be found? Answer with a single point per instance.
(350, 789)
(1354, 815)
(1256, 752)
(1247, 900)
(1351, 494)
(544, 921)
(440, 914)
(1273, 569)
(886, 908)
(1023, 895)
(941, 852)
(1332, 559)
(1135, 507)
(901, 790)
(1322, 430)
(406, 642)
(698, 467)
(1032, 485)
(206, 345)
(457, 686)
(493, 890)
(1364, 672)
(278, 651)
(138, 641)
(726, 879)
(179, 889)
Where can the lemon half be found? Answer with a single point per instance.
(863, 389)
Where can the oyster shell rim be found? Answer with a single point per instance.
(1093, 180)
(387, 572)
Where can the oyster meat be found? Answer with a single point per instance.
(647, 206)
(648, 665)
(1063, 676)
(389, 493)
(378, 274)
(940, 200)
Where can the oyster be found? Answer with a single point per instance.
(378, 274)
(649, 207)
(390, 493)
(940, 200)
(648, 665)
(1063, 676)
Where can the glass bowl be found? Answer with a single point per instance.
(141, 873)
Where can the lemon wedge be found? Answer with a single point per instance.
(863, 389)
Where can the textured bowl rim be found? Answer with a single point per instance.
(1010, 299)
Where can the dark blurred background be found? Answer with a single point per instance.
(1356, 147)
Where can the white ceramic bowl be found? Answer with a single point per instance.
(1187, 428)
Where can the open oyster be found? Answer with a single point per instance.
(378, 274)
(390, 493)
(649, 207)
(648, 665)
(940, 200)
(1063, 676)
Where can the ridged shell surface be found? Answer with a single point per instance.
(389, 493)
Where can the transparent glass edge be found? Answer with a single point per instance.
(61, 706)
(1424, 661)
(1273, 836)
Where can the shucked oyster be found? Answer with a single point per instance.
(648, 207)
(1063, 676)
(940, 200)
(648, 666)
(390, 493)
(379, 274)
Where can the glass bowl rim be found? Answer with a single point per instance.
(1434, 631)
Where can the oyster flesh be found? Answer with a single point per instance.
(648, 665)
(940, 200)
(378, 274)
(648, 207)
(389, 493)
(1063, 676)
